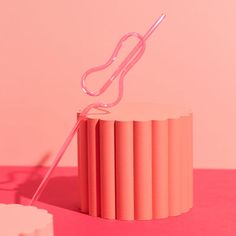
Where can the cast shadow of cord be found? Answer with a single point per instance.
(61, 191)
(32, 173)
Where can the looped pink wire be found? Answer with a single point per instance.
(131, 59)
(110, 61)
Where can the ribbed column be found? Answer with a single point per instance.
(107, 169)
(124, 170)
(160, 169)
(189, 147)
(174, 149)
(83, 166)
(93, 167)
(78, 161)
(142, 170)
(184, 156)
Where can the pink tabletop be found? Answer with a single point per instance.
(214, 211)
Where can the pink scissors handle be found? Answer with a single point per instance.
(131, 59)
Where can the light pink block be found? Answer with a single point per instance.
(19, 220)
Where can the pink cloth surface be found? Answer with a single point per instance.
(214, 211)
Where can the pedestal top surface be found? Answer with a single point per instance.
(140, 112)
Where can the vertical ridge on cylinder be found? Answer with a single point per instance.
(160, 168)
(83, 166)
(184, 164)
(98, 174)
(79, 161)
(124, 170)
(174, 132)
(142, 170)
(92, 167)
(107, 169)
(190, 158)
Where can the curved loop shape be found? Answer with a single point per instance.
(108, 63)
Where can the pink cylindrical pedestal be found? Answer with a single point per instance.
(135, 162)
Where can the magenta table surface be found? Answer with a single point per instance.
(214, 211)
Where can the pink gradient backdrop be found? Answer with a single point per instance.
(45, 46)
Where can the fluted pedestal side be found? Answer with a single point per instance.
(136, 162)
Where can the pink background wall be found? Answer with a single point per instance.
(45, 46)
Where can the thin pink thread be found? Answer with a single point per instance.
(131, 59)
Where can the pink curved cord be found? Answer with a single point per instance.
(131, 59)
